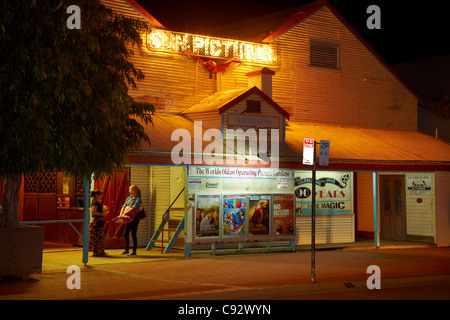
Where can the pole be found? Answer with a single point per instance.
(85, 221)
(313, 218)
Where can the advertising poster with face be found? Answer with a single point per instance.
(283, 214)
(259, 215)
(207, 215)
(234, 215)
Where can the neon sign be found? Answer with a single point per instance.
(211, 47)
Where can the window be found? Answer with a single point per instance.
(253, 107)
(324, 55)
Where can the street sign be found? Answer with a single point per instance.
(324, 153)
(308, 151)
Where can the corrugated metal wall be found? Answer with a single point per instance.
(420, 217)
(364, 195)
(160, 194)
(125, 8)
(140, 176)
(173, 82)
(362, 93)
(166, 183)
(329, 229)
(442, 208)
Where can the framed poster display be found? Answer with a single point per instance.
(259, 214)
(234, 217)
(207, 208)
(283, 214)
(333, 193)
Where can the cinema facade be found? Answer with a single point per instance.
(301, 73)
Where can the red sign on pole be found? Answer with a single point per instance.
(308, 151)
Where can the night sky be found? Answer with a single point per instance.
(410, 29)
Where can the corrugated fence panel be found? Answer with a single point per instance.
(140, 176)
(329, 229)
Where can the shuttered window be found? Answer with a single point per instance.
(253, 106)
(324, 55)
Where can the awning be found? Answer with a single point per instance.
(351, 148)
(373, 148)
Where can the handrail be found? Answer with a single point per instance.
(55, 221)
(49, 221)
(162, 219)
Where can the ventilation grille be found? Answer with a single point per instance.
(324, 55)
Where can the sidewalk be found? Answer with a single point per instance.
(62, 257)
(152, 275)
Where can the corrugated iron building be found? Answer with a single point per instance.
(327, 84)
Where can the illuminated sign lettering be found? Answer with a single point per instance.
(211, 47)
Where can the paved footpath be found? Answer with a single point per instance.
(340, 274)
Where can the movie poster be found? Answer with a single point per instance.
(207, 215)
(259, 215)
(233, 215)
(283, 214)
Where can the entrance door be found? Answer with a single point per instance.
(40, 201)
(392, 207)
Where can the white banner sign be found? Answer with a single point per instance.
(308, 151)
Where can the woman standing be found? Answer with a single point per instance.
(96, 232)
(134, 201)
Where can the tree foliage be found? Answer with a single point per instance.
(64, 102)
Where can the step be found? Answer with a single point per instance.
(172, 220)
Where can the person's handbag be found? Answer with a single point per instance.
(141, 214)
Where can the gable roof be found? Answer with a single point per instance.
(224, 100)
(267, 28)
(133, 9)
(258, 28)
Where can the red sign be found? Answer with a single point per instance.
(308, 151)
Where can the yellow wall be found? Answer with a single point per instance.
(362, 93)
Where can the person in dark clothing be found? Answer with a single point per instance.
(96, 232)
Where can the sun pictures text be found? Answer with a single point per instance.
(247, 147)
(211, 47)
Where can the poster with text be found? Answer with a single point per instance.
(259, 215)
(419, 184)
(333, 193)
(233, 215)
(207, 208)
(283, 214)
